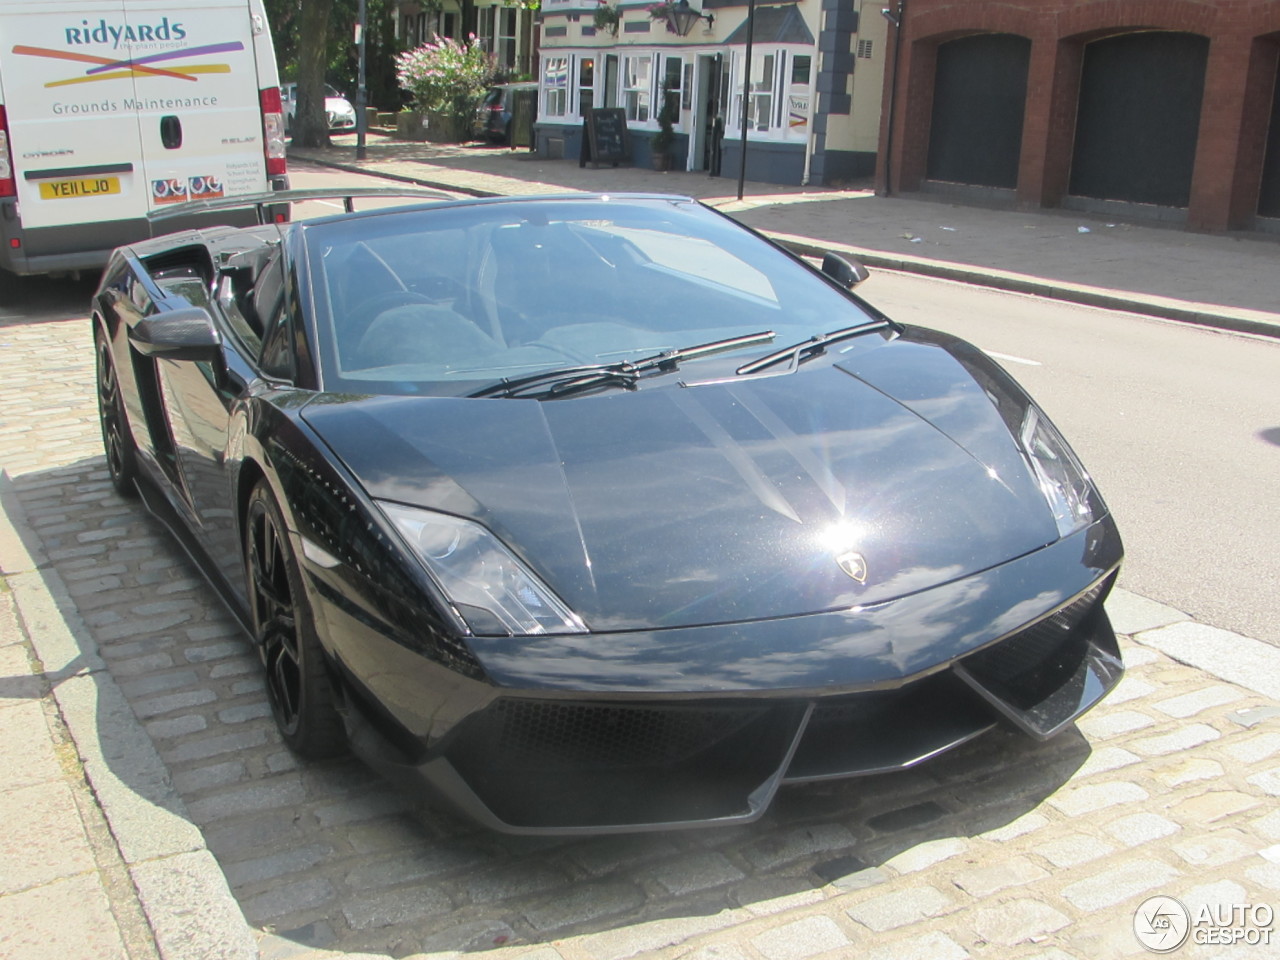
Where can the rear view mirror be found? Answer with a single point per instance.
(846, 272)
(186, 334)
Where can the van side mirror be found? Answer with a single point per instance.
(846, 272)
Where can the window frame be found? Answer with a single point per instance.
(774, 95)
(634, 84)
(557, 93)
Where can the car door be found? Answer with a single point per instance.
(201, 399)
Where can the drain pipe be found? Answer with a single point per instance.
(810, 140)
(894, 18)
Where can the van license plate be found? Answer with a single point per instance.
(89, 187)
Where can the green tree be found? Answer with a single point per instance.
(341, 60)
(301, 29)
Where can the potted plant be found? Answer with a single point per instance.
(606, 17)
(665, 138)
(661, 11)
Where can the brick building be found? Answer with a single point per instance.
(1166, 109)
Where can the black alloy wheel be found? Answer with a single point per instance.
(297, 682)
(117, 441)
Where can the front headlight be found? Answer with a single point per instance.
(494, 592)
(1063, 481)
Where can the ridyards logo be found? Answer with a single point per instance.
(104, 32)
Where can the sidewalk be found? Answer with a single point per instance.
(1224, 281)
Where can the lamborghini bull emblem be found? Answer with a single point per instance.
(854, 565)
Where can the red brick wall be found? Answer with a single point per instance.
(1244, 39)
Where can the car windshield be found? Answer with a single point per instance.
(447, 300)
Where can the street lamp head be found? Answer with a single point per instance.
(683, 17)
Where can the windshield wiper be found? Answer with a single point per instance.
(815, 346)
(624, 373)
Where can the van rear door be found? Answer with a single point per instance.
(120, 107)
(76, 149)
(196, 98)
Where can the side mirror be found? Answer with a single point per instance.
(186, 334)
(847, 273)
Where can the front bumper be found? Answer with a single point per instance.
(645, 732)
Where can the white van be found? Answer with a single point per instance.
(110, 109)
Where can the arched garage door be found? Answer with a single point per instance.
(1269, 197)
(979, 97)
(1138, 118)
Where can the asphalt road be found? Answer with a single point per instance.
(1179, 425)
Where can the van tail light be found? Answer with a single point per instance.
(8, 187)
(273, 132)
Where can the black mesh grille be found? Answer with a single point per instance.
(1028, 650)
(543, 733)
(1029, 667)
(546, 763)
(887, 730)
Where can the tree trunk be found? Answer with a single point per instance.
(311, 124)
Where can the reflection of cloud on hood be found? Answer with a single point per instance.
(920, 578)
(1021, 613)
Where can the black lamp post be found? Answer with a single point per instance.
(362, 94)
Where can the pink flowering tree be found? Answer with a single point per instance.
(447, 79)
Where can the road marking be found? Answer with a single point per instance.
(1004, 356)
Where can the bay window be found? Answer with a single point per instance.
(778, 95)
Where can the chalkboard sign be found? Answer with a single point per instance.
(605, 138)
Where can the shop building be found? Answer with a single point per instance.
(812, 105)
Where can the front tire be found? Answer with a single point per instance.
(298, 684)
(117, 440)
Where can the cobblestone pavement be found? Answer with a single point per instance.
(1005, 848)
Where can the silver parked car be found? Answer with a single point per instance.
(341, 114)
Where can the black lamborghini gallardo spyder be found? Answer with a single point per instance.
(600, 513)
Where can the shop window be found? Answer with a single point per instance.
(555, 86)
(637, 87)
(586, 85)
(673, 82)
(760, 107)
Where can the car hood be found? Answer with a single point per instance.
(840, 485)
